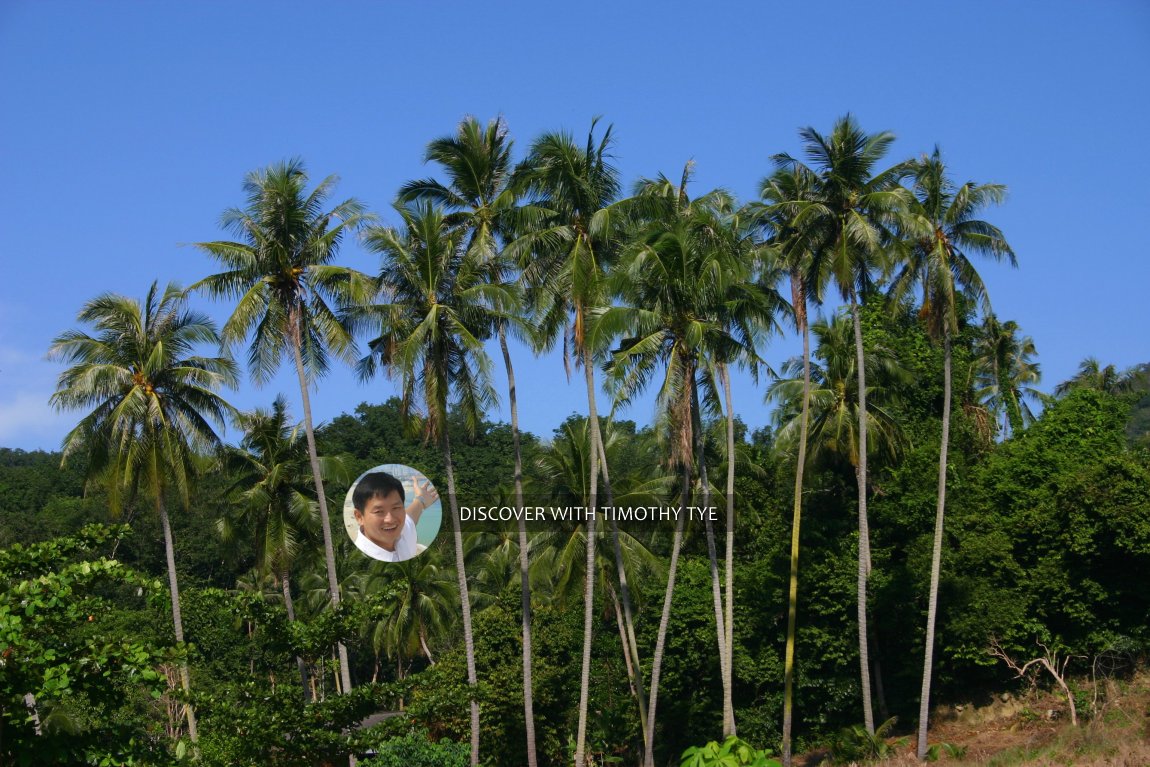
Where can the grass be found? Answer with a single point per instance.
(1092, 745)
(1115, 734)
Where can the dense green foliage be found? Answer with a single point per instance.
(1047, 527)
(1047, 510)
(76, 682)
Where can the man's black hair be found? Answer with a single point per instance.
(376, 484)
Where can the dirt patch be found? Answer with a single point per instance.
(1034, 730)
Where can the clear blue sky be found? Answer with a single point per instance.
(127, 127)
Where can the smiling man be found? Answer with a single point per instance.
(386, 525)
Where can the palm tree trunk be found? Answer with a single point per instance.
(936, 555)
(630, 646)
(623, 638)
(728, 701)
(177, 616)
(589, 585)
(325, 519)
(423, 646)
(524, 579)
(285, 584)
(864, 530)
(464, 598)
(712, 557)
(634, 675)
(661, 636)
(800, 304)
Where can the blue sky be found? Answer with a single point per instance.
(127, 127)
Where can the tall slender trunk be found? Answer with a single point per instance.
(630, 645)
(712, 557)
(399, 678)
(661, 636)
(289, 605)
(622, 638)
(524, 579)
(464, 597)
(936, 555)
(589, 585)
(423, 645)
(313, 459)
(728, 697)
(800, 303)
(864, 530)
(177, 616)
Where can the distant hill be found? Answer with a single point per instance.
(38, 499)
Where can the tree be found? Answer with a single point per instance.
(563, 466)
(573, 185)
(438, 310)
(835, 402)
(1005, 373)
(688, 306)
(846, 225)
(418, 605)
(282, 275)
(152, 403)
(274, 509)
(480, 198)
(1093, 375)
(780, 193)
(750, 311)
(941, 231)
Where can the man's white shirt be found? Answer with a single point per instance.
(405, 548)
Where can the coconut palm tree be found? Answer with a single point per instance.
(750, 311)
(942, 232)
(276, 508)
(561, 562)
(1093, 375)
(563, 466)
(418, 604)
(151, 401)
(438, 308)
(681, 274)
(829, 388)
(572, 185)
(1006, 373)
(480, 198)
(834, 436)
(282, 274)
(847, 224)
(780, 192)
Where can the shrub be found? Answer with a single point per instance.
(732, 752)
(415, 749)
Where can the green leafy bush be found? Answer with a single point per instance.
(732, 752)
(415, 749)
(72, 685)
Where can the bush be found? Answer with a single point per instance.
(731, 753)
(415, 749)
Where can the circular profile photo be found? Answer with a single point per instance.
(392, 512)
